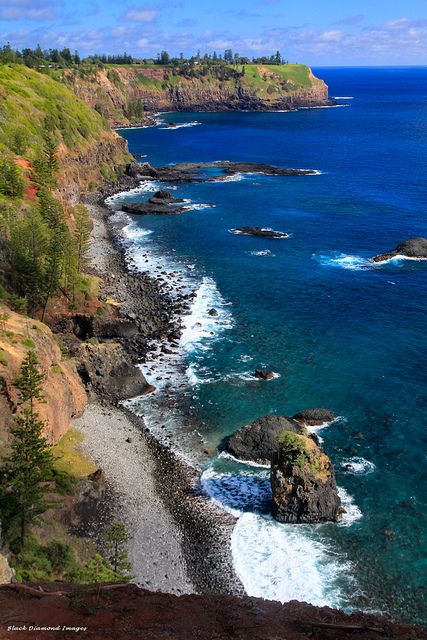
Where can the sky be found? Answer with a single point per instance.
(315, 32)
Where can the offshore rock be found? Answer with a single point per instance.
(303, 482)
(412, 248)
(257, 441)
(264, 374)
(314, 417)
(150, 208)
(259, 232)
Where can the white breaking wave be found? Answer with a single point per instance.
(146, 186)
(182, 125)
(345, 261)
(281, 562)
(399, 257)
(325, 106)
(198, 325)
(263, 252)
(249, 463)
(343, 98)
(357, 263)
(353, 513)
(236, 177)
(357, 466)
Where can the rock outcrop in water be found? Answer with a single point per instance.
(260, 233)
(150, 208)
(257, 441)
(314, 417)
(303, 482)
(412, 248)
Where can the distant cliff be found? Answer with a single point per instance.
(127, 94)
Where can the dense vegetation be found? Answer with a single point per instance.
(42, 244)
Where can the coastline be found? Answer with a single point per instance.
(155, 492)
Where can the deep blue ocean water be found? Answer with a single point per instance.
(341, 333)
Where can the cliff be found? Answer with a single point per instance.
(62, 387)
(126, 94)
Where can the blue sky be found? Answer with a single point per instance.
(317, 32)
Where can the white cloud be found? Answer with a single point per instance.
(142, 15)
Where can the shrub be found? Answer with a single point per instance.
(294, 448)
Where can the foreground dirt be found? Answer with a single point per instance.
(130, 613)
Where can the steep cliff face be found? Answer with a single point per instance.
(63, 391)
(127, 94)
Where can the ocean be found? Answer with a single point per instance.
(339, 332)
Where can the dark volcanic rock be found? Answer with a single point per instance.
(150, 208)
(213, 312)
(193, 171)
(164, 197)
(264, 374)
(313, 417)
(260, 232)
(303, 482)
(257, 441)
(107, 369)
(412, 248)
(136, 169)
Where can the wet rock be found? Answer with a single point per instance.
(213, 312)
(149, 208)
(264, 374)
(260, 232)
(257, 441)
(314, 417)
(412, 248)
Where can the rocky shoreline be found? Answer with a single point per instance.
(197, 530)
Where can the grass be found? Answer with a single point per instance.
(69, 459)
(27, 97)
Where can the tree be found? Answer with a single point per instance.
(115, 539)
(96, 571)
(82, 227)
(28, 245)
(30, 462)
(11, 182)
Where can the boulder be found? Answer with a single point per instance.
(213, 312)
(107, 370)
(264, 374)
(257, 441)
(314, 417)
(412, 248)
(303, 482)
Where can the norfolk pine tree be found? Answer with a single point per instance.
(30, 462)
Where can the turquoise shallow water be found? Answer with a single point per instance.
(340, 333)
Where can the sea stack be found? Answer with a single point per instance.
(303, 482)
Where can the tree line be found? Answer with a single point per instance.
(41, 58)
